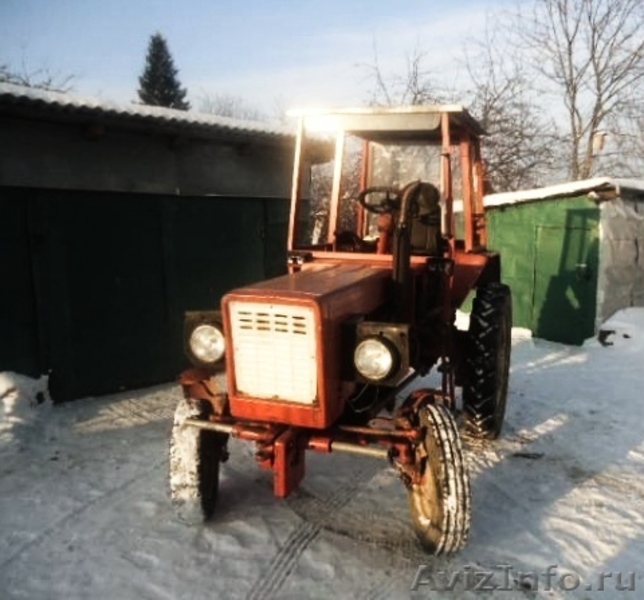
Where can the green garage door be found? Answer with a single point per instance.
(565, 270)
(18, 324)
(95, 284)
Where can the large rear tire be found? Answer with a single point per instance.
(487, 361)
(441, 502)
(195, 455)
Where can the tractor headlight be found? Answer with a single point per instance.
(375, 358)
(203, 338)
(207, 343)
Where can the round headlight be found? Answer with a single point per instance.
(374, 359)
(207, 343)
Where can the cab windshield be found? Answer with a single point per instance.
(364, 176)
(353, 164)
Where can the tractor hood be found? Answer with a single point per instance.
(286, 340)
(334, 287)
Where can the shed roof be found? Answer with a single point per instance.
(61, 106)
(601, 187)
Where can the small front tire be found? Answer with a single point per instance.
(440, 502)
(195, 455)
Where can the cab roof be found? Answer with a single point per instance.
(422, 120)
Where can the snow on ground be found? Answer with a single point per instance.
(19, 398)
(84, 511)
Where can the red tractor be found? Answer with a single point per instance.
(319, 359)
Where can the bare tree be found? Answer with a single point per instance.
(415, 86)
(519, 147)
(228, 105)
(279, 113)
(591, 52)
(560, 96)
(42, 78)
(619, 146)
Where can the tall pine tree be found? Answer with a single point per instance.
(159, 85)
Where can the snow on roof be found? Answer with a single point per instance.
(207, 125)
(572, 188)
(413, 118)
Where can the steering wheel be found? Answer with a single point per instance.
(389, 203)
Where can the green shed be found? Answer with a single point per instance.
(572, 253)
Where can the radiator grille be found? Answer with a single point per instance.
(274, 351)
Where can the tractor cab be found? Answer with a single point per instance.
(362, 175)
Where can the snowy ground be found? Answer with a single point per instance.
(84, 511)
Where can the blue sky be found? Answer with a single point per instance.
(295, 52)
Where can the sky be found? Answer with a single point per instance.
(287, 53)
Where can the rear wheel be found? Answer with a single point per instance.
(487, 361)
(195, 455)
(440, 502)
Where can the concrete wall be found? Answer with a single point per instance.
(70, 155)
(621, 259)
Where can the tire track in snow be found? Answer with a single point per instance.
(384, 590)
(386, 533)
(314, 513)
(284, 561)
(137, 413)
(376, 529)
(382, 532)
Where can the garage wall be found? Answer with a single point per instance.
(621, 275)
(94, 284)
(81, 156)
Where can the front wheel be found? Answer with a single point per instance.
(441, 501)
(195, 455)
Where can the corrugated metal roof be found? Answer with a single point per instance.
(72, 106)
(571, 188)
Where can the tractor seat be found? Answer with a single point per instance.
(426, 236)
